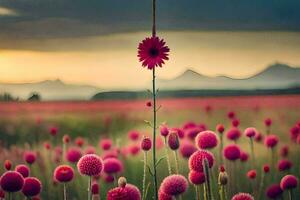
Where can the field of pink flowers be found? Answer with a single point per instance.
(207, 148)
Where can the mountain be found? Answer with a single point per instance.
(276, 76)
(50, 90)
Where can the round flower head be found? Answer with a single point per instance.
(271, 141)
(196, 178)
(206, 140)
(231, 115)
(251, 174)
(288, 182)
(174, 185)
(105, 144)
(284, 151)
(79, 141)
(47, 145)
(148, 103)
(242, 196)
(64, 173)
(258, 137)
(112, 165)
(90, 150)
(197, 158)
(284, 165)
(193, 132)
(146, 144)
(95, 188)
(235, 122)
(32, 187)
(244, 156)
(179, 132)
(266, 168)
(73, 154)
(250, 132)
(188, 125)
(163, 196)
(164, 130)
(153, 52)
(11, 181)
(134, 135)
(7, 164)
(274, 191)
(173, 141)
(220, 128)
(66, 139)
(294, 132)
(23, 170)
(134, 149)
(90, 165)
(133, 192)
(232, 152)
(29, 157)
(186, 149)
(53, 130)
(233, 134)
(118, 193)
(268, 122)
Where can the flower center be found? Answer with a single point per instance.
(153, 52)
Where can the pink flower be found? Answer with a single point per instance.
(53, 130)
(244, 156)
(64, 173)
(197, 158)
(134, 149)
(23, 170)
(7, 164)
(220, 128)
(258, 137)
(232, 152)
(268, 122)
(250, 132)
(73, 154)
(95, 188)
(179, 132)
(235, 122)
(233, 134)
(164, 130)
(11, 181)
(251, 174)
(192, 132)
(196, 178)
(284, 165)
(206, 140)
(90, 165)
(112, 165)
(66, 139)
(189, 124)
(174, 185)
(105, 144)
(146, 144)
(32, 187)
(186, 149)
(288, 182)
(231, 115)
(134, 135)
(163, 196)
(284, 151)
(148, 104)
(79, 141)
(242, 196)
(273, 191)
(173, 141)
(266, 168)
(152, 52)
(294, 132)
(29, 157)
(271, 141)
(90, 150)
(129, 192)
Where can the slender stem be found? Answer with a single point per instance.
(153, 18)
(176, 162)
(252, 152)
(9, 196)
(89, 188)
(207, 179)
(221, 149)
(167, 156)
(290, 194)
(144, 175)
(261, 185)
(65, 192)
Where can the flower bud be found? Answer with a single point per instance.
(122, 182)
(223, 178)
(173, 141)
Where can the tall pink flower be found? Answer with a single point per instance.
(153, 52)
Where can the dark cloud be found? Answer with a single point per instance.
(42, 19)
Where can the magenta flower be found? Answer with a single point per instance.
(153, 52)
(174, 185)
(134, 135)
(284, 165)
(251, 174)
(288, 182)
(187, 148)
(23, 170)
(112, 165)
(90, 165)
(233, 134)
(271, 141)
(206, 140)
(73, 154)
(196, 160)
(197, 178)
(266, 168)
(192, 132)
(164, 196)
(244, 156)
(274, 191)
(146, 144)
(95, 188)
(105, 144)
(64, 173)
(32, 187)
(173, 141)
(164, 130)
(250, 132)
(11, 181)
(232, 152)
(220, 128)
(242, 196)
(29, 157)
(268, 122)
(7, 164)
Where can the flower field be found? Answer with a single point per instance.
(206, 148)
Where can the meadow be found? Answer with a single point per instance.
(44, 135)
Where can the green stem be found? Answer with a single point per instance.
(261, 185)
(252, 153)
(290, 194)
(89, 189)
(221, 150)
(65, 191)
(176, 162)
(167, 156)
(144, 175)
(207, 179)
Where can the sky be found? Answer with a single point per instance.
(95, 42)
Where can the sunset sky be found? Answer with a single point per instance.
(94, 42)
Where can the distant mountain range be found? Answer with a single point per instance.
(50, 90)
(276, 76)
